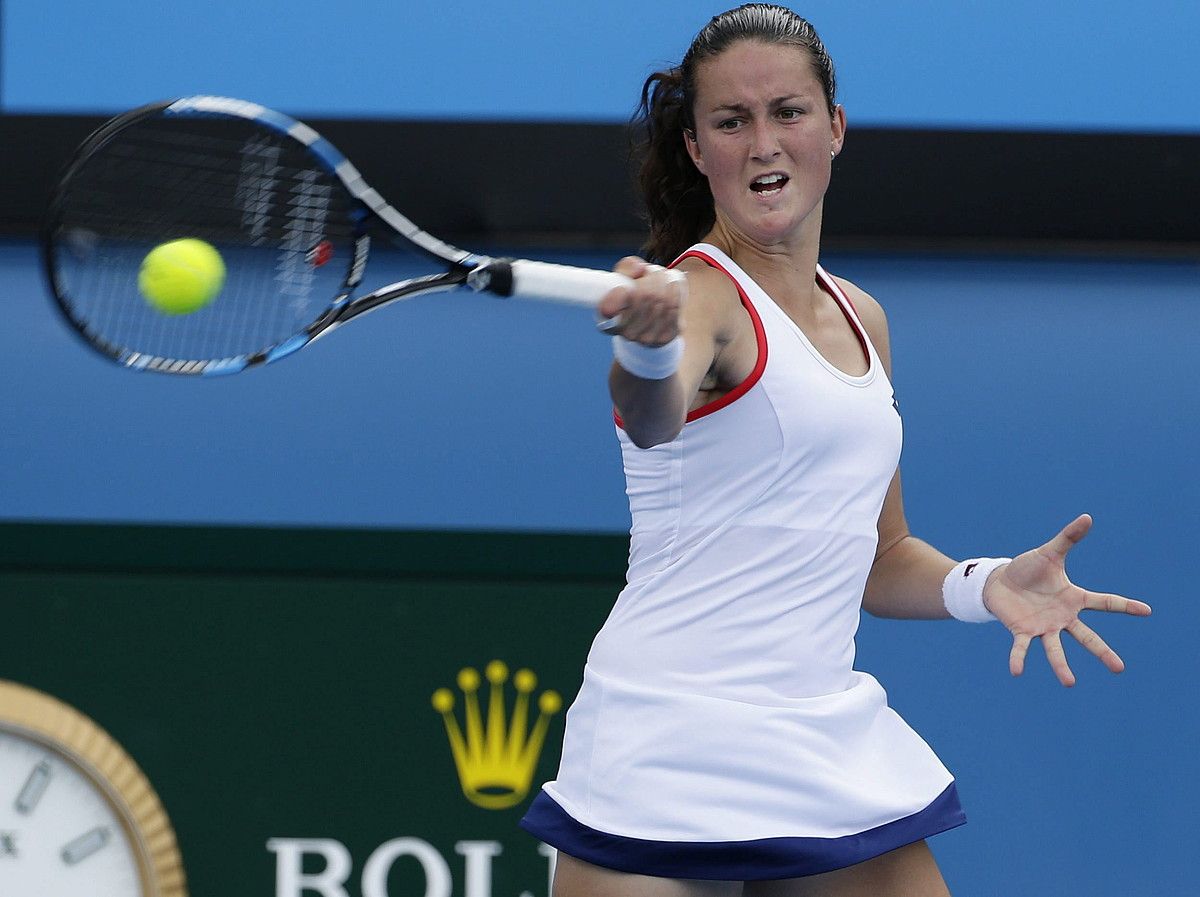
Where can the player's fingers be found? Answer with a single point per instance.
(669, 287)
(655, 309)
(1116, 604)
(1069, 536)
(613, 306)
(652, 322)
(614, 303)
(1016, 657)
(640, 307)
(1052, 645)
(632, 266)
(1090, 640)
(651, 278)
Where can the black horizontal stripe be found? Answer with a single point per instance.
(569, 183)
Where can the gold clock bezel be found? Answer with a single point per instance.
(79, 740)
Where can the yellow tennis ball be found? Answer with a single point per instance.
(181, 276)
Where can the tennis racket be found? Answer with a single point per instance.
(289, 215)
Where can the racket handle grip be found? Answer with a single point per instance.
(543, 280)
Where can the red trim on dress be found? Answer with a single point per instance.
(834, 289)
(760, 336)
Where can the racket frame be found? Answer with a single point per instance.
(501, 277)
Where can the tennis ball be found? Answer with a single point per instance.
(181, 276)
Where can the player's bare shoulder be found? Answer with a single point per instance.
(715, 317)
(713, 300)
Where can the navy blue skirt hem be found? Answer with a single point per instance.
(758, 860)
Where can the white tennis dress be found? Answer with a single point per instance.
(721, 731)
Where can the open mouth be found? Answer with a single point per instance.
(769, 184)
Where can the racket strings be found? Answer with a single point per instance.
(284, 227)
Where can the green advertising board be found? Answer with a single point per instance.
(367, 721)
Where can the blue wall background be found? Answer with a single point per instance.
(1065, 380)
(1024, 64)
(1032, 388)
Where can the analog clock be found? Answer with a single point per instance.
(77, 816)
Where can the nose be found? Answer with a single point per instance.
(765, 143)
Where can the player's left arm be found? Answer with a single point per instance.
(1031, 595)
(906, 578)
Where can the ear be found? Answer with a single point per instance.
(838, 129)
(693, 149)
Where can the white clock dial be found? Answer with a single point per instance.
(77, 816)
(59, 833)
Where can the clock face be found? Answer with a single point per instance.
(78, 818)
(59, 831)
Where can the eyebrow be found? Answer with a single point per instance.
(740, 107)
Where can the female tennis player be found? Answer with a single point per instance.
(722, 743)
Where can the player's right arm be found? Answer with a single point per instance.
(653, 312)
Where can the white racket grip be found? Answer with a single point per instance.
(564, 283)
(557, 283)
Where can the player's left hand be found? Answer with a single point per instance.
(1034, 599)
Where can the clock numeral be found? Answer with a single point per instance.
(85, 845)
(8, 844)
(34, 788)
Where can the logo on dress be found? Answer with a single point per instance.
(496, 756)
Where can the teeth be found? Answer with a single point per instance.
(768, 179)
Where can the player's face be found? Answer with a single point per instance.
(763, 138)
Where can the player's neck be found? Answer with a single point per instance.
(791, 263)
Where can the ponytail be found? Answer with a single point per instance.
(679, 205)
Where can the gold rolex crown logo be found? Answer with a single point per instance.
(496, 758)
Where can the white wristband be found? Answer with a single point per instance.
(648, 362)
(962, 590)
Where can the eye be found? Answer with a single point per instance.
(790, 113)
(728, 124)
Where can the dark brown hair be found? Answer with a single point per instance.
(678, 202)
